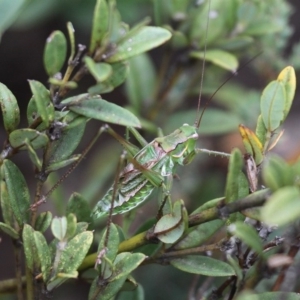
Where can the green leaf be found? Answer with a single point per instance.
(235, 43)
(119, 74)
(9, 230)
(77, 248)
(100, 71)
(179, 39)
(261, 130)
(203, 265)
(55, 52)
(43, 102)
(6, 208)
(170, 227)
(17, 191)
(107, 291)
(63, 84)
(9, 11)
(20, 137)
(97, 108)
(100, 24)
(81, 227)
(127, 264)
(268, 296)
(112, 243)
(61, 164)
(162, 10)
(262, 28)
(147, 38)
(43, 221)
(234, 171)
(288, 77)
(140, 84)
(277, 173)
(283, 207)
(59, 228)
(44, 254)
(62, 148)
(33, 114)
(235, 264)
(79, 206)
(10, 109)
(71, 33)
(197, 235)
(179, 8)
(33, 156)
(252, 144)
(220, 58)
(272, 105)
(247, 234)
(71, 227)
(57, 281)
(30, 247)
(135, 293)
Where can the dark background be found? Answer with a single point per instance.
(21, 58)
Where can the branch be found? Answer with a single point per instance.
(221, 211)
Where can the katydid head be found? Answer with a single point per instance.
(190, 144)
(180, 144)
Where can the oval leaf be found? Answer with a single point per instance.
(9, 10)
(97, 108)
(272, 105)
(288, 77)
(247, 234)
(100, 24)
(283, 207)
(118, 76)
(62, 149)
(128, 263)
(59, 227)
(44, 254)
(55, 52)
(17, 191)
(234, 170)
(140, 84)
(197, 235)
(79, 206)
(220, 58)
(247, 295)
(147, 38)
(100, 71)
(10, 109)
(30, 247)
(42, 101)
(277, 173)
(112, 243)
(170, 227)
(203, 265)
(77, 248)
(43, 221)
(20, 137)
(7, 212)
(9, 230)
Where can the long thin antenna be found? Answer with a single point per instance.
(198, 118)
(226, 80)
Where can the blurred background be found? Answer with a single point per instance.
(21, 58)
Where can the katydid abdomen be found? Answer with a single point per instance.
(147, 170)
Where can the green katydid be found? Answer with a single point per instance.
(157, 160)
(150, 166)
